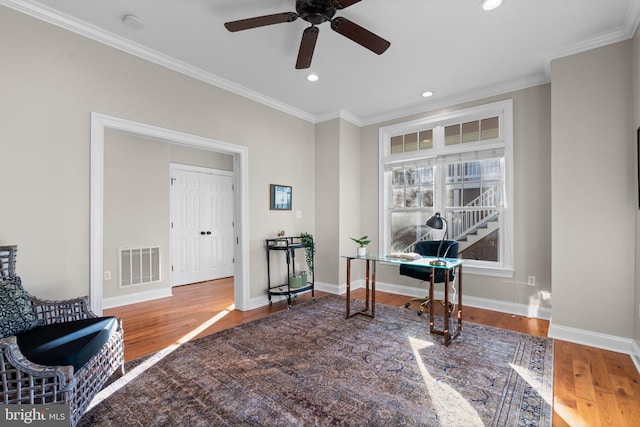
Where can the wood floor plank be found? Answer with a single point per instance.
(627, 396)
(563, 378)
(592, 387)
(607, 404)
(587, 414)
(582, 378)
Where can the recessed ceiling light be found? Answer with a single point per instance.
(313, 77)
(133, 22)
(490, 4)
(427, 94)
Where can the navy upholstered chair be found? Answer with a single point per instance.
(429, 248)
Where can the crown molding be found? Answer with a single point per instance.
(627, 31)
(82, 28)
(585, 45)
(632, 19)
(456, 99)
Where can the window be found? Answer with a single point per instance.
(458, 164)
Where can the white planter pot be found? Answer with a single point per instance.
(362, 251)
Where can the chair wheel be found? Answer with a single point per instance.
(407, 305)
(419, 313)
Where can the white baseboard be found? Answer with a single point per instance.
(339, 289)
(111, 302)
(593, 339)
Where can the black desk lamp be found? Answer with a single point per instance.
(438, 222)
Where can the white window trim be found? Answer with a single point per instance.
(503, 109)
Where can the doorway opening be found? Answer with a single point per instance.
(101, 123)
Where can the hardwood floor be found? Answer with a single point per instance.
(592, 387)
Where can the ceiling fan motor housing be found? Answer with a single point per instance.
(316, 11)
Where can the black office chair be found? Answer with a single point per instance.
(429, 248)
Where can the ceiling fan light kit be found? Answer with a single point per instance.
(316, 12)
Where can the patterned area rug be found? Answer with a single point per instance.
(311, 366)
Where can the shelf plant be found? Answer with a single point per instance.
(306, 239)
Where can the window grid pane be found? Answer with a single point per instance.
(452, 135)
(412, 188)
(411, 142)
(397, 144)
(425, 138)
(407, 227)
(467, 184)
(490, 128)
(470, 132)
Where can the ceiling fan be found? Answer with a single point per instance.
(316, 12)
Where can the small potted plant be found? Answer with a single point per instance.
(362, 245)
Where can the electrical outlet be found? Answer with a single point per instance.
(107, 275)
(531, 280)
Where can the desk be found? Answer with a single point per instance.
(370, 290)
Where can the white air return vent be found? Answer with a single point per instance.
(139, 266)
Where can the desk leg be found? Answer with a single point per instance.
(348, 287)
(449, 331)
(366, 286)
(432, 329)
(447, 318)
(373, 290)
(370, 290)
(460, 298)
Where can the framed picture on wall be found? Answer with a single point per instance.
(280, 197)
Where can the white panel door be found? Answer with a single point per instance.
(201, 226)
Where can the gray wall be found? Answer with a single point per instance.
(351, 183)
(532, 204)
(594, 192)
(338, 197)
(137, 199)
(327, 163)
(52, 79)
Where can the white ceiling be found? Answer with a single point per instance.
(451, 47)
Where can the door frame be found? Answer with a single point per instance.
(100, 123)
(196, 169)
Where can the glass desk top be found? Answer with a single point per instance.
(423, 261)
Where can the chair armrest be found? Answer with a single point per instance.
(49, 312)
(27, 382)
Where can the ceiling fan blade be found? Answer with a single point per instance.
(360, 35)
(307, 46)
(342, 4)
(260, 21)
